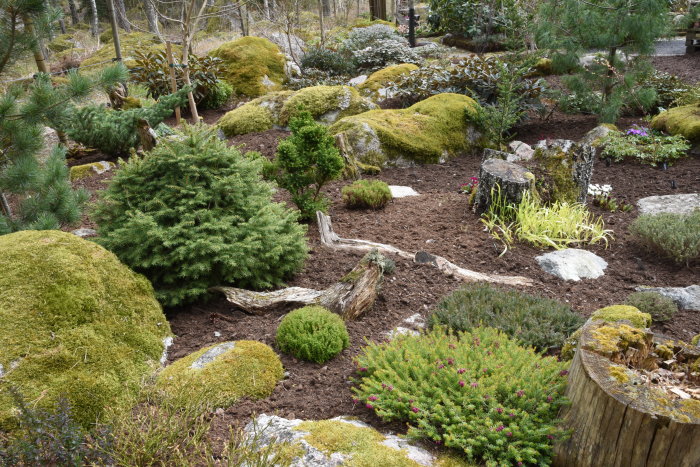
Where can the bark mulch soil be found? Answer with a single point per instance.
(439, 222)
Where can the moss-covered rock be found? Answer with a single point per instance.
(380, 79)
(253, 66)
(326, 103)
(683, 120)
(78, 172)
(430, 131)
(60, 43)
(614, 313)
(224, 373)
(130, 43)
(74, 323)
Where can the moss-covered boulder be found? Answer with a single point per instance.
(253, 66)
(74, 323)
(61, 43)
(683, 120)
(378, 80)
(130, 43)
(78, 172)
(429, 131)
(223, 373)
(327, 104)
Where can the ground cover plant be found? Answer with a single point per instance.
(660, 307)
(644, 145)
(533, 321)
(478, 392)
(312, 333)
(673, 236)
(220, 227)
(372, 194)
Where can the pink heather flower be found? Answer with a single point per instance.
(461, 370)
(520, 393)
(549, 398)
(550, 436)
(450, 361)
(563, 372)
(500, 428)
(410, 401)
(486, 396)
(520, 463)
(441, 366)
(369, 406)
(511, 414)
(362, 369)
(485, 370)
(461, 383)
(475, 385)
(415, 409)
(489, 353)
(390, 387)
(509, 434)
(499, 410)
(355, 400)
(372, 398)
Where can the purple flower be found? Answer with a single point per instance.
(520, 393)
(461, 383)
(485, 370)
(362, 369)
(550, 436)
(563, 372)
(520, 463)
(509, 434)
(415, 409)
(549, 398)
(475, 385)
(441, 366)
(500, 428)
(637, 131)
(450, 361)
(355, 400)
(511, 415)
(461, 370)
(389, 387)
(369, 406)
(372, 398)
(499, 410)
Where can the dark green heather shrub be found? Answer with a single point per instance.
(312, 333)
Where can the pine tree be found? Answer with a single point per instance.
(16, 39)
(573, 27)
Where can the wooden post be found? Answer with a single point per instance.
(173, 81)
(411, 24)
(115, 31)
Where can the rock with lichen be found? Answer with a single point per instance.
(375, 86)
(684, 120)
(564, 170)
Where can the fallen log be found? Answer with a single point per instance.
(350, 297)
(330, 239)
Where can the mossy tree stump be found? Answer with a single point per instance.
(565, 170)
(616, 419)
(497, 174)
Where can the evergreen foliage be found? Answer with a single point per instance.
(305, 162)
(373, 194)
(15, 39)
(674, 236)
(114, 132)
(312, 333)
(660, 307)
(477, 392)
(573, 27)
(194, 213)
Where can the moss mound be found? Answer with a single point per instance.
(130, 43)
(616, 313)
(224, 373)
(76, 323)
(61, 43)
(427, 132)
(683, 120)
(253, 65)
(312, 333)
(380, 79)
(249, 118)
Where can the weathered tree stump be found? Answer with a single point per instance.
(351, 171)
(147, 137)
(618, 417)
(350, 297)
(565, 170)
(497, 175)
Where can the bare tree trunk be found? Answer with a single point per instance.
(74, 19)
(122, 20)
(36, 50)
(152, 17)
(321, 7)
(94, 23)
(243, 15)
(5, 206)
(266, 6)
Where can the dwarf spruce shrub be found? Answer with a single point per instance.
(194, 213)
(533, 321)
(674, 236)
(312, 333)
(660, 307)
(372, 194)
(478, 392)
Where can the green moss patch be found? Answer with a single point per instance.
(614, 338)
(616, 313)
(249, 118)
(78, 172)
(130, 43)
(224, 373)
(427, 132)
(683, 120)
(253, 66)
(74, 323)
(380, 79)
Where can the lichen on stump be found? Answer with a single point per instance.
(498, 177)
(563, 170)
(617, 419)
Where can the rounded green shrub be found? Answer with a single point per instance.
(660, 308)
(75, 324)
(330, 61)
(533, 321)
(246, 119)
(194, 213)
(477, 392)
(223, 373)
(217, 96)
(373, 194)
(674, 236)
(312, 333)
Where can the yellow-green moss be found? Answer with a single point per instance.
(249, 369)
(248, 118)
(380, 79)
(320, 100)
(426, 132)
(130, 43)
(616, 338)
(78, 172)
(246, 63)
(570, 345)
(74, 323)
(615, 313)
(695, 340)
(619, 373)
(131, 102)
(664, 351)
(60, 43)
(683, 120)
(556, 176)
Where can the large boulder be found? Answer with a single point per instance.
(572, 264)
(375, 85)
(253, 66)
(223, 373)
(684, 203)
(430, 131)
(684, 120)
(74, 323)
(326, 103)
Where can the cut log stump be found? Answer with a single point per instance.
(350, 297)
(617, 417)
(496, 175)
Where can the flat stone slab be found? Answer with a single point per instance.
(398, 191)
(83, 233)
(675, 204)
(211, 354)
(572, 264)
(687, 298)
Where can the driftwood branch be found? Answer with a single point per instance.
(350, 297)
(330, 239)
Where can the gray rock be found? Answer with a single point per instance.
(595, 134)
(398, 191)
(282, 41)
(572, 264)
(521, 151)
(676, 204)
(687, 298)
(2, 370)
(167, 342)
(83, 233)
(211, 354)
(356, 81)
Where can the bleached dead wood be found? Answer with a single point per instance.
(330, 239)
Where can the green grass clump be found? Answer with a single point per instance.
(660, 308)
(372, 194)
(533, 321)
(477, 392)
(312, 333)
(674, 236)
